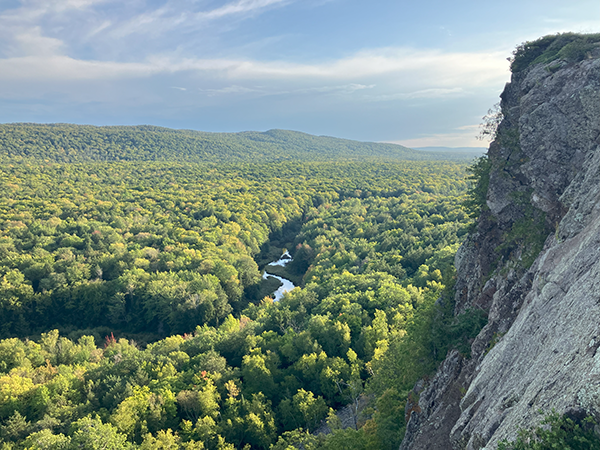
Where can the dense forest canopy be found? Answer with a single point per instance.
(131, 302)
(85, 143)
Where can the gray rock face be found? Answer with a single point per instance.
(539, 348)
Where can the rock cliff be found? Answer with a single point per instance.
(532, 262)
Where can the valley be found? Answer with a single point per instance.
(133, 301)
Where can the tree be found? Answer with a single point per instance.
(144, 412)
(91, 433)
(200, 403)
(46, 440)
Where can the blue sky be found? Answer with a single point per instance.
(421, 73)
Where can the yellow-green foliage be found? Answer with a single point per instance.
(167, 252)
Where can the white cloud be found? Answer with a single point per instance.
(153, 23)
(234, 89)
(424, 93)
(42, 69)
(344, 89)
(470, 128)
(239, 7)
(35, 12)
(124, 31)
(31, 42)
(465, 136)
(428, 74)
(170, 16)
(412, 69)
(339, 89)
(62, 5)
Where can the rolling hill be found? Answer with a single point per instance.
(67, 143)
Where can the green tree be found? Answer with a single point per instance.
(46, 440)
(92, 433)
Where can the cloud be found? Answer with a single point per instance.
(31, 42)
(470, 128)
(234, 89)
(424, 93)
(46, 69)
(239, 7)
(429, 74)
(339, 89)
(464, 136)
(62, 5)
(417, 67)
(429, 66)
(112, 29)
(171, 17)
(344, 89)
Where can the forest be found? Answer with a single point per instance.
(132, 309)
(86, 143)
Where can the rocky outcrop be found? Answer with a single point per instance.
(533, 262)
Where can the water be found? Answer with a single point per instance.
(284, 260)
(287, 285)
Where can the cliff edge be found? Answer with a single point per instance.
(532, 262)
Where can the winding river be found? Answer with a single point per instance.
(287, 284)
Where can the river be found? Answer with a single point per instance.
(287, 285)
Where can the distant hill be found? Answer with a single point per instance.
(86, 143)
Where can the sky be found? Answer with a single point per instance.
(420, 73)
